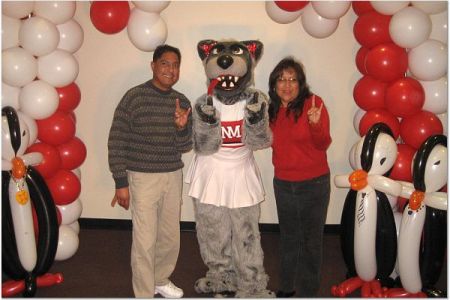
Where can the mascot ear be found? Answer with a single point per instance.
(255, 48)
(204, 47)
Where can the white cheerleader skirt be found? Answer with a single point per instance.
(229, 177)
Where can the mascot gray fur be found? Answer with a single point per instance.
(229, 123)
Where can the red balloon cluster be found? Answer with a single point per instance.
(62, 151)
(385, 93)
(110, 16)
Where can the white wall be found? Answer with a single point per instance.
(110, 65)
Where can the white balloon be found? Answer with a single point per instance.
(71, 36)
(410, 27)
(280, 15)
(32, 127)
(430, 7)
(57, 12)
(439, 29)
(38, 99)
(10, 96)
(19, 67)
(17, 9)
(388, 7)
(351, 156)
(146, 30)
(38, 36)
(70, 212)
(357, 119)
(428, 61)
(393, 202)
(317, 26)
(331, 9)
(436, 95)
(444, 120)
(68, 242)
(75, 227)
(59, 68)
(151, 6)
(10, 32)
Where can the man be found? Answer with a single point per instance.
(150, 131)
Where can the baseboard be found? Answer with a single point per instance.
(116, 224)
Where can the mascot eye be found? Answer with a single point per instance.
(237, 51)
(382, 161)
(437, 163)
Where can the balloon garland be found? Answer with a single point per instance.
(145, 27)
(39, 92)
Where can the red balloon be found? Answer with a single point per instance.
(291, 5)
(402, 166)
(372, 29)
(110, 16)
(379, 116)
(360, 60)
(362, 7)
(369, 93)
(69, 97)
(405, 97)
(57, 129)
(51, 162)
(72, 153)
(415, 129)
(65, 187)
(387, 62)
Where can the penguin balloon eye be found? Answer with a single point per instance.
(382, 161)
(437, 163)
(23, 133)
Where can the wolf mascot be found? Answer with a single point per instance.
(229, 123)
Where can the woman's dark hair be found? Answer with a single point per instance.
(296, 106)
(161, 49)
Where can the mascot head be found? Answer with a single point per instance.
(229, 65)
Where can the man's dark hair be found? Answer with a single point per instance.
(161, 49)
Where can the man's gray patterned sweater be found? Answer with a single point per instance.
(143, 136)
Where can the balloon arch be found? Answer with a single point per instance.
(403, 64)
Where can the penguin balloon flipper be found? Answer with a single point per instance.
(434, 246)
(47, 220)
(347, 232)
(386, 237)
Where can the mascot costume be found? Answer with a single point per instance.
(229, 123)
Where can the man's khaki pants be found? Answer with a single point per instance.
(155, 210)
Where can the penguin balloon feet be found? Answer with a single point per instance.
(370, 289)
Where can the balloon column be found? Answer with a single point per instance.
(38, 82)
(145, 27)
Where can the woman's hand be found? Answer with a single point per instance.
(314, 112)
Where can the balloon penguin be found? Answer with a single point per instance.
(422, 240)
(25, 257)
(368, 232)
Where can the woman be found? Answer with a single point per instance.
(301, 136)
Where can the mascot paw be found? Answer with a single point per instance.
(207, 285)
(207, 112)
(255, 294)
(255, 110)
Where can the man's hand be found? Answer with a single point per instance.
(181, 115)
(122, 196)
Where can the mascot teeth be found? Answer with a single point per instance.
(228, 81)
